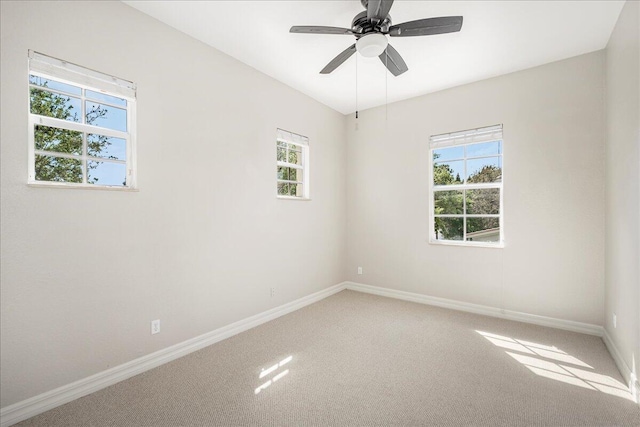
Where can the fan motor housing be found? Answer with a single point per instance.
(362, 25)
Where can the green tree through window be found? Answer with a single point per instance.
(466, 193)
(57, 140)
(447, 202)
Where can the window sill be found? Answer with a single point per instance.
(68, 186)
(304, 199)
(466, 244)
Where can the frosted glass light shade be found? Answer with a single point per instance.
(372, 45)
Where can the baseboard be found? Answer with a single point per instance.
(38, 404)
(628, 375)
(567, 325)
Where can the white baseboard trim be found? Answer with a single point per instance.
(628, 375)
(568, 325)
(38, 404)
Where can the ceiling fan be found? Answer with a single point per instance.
(371, 28)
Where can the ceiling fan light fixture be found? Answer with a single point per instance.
(372, 45)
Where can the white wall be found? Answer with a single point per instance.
(622, 291)
(84, 272)
(553, 260)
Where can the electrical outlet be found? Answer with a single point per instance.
(615, 321)
(155, 326)
(273, 292)
(359, 270)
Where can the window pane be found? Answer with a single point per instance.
(55, 85)
(106, 116)
(295, 174)
(483, 229)
(449, 228)
(484, 149)
(283, 189)
(295, 157)
(484, 170)
(483, 202)
(281, 154)
(295, 190)
(283, 173)
(106, 98)
(447, 202)
(445, 173)
(107, 147)
(58, 140)
(51, 104)
(58, 169)
(450, 153)
(106, 173)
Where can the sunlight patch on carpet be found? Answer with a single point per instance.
(271, 369)
(535, 357)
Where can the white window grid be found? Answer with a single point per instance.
(465, 139)
(300, 145)
(128, 135)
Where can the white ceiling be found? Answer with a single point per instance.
(497, 37)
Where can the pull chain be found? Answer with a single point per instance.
(386, 89)
(356, 85)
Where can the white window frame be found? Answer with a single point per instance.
(465, 138)
(284, 136)
(86, 79)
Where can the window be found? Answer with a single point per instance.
(80, 126)
(466, 187)
(292, 157)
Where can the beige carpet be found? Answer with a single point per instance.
(357, 359)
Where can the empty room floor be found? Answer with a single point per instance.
(360, 359)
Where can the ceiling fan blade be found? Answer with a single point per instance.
(378, 9)
(393, 61)
(338, 60)
(312, 29)
(427, 27)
